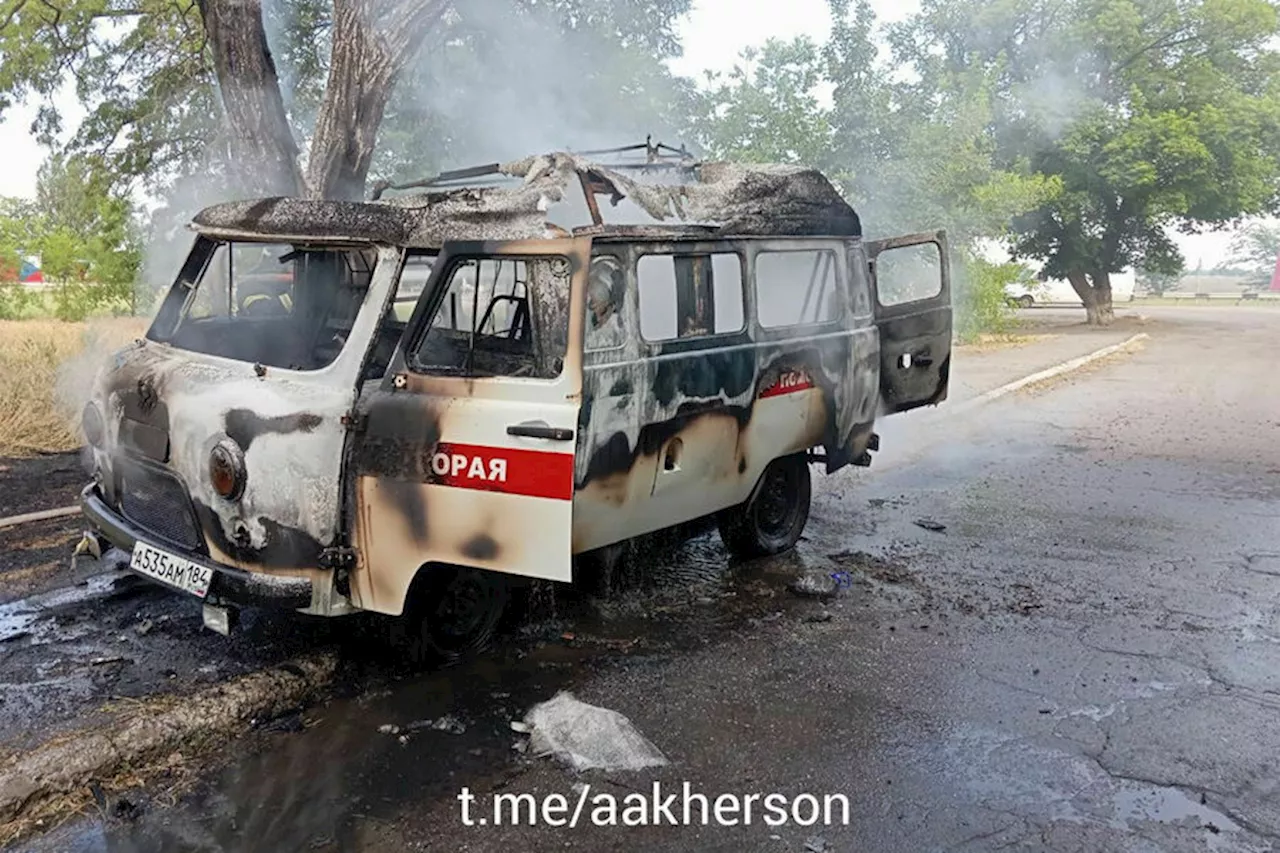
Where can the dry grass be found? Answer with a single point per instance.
(46, 368)
(994, 342)
(1091, 368)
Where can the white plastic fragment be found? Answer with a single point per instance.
(587, 737)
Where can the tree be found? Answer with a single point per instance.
(1257, 249)
(1158, 283)
(766, 109)
(17, 235)
(1151, 115)
(220, 86)
(86, 236)
(919, 154)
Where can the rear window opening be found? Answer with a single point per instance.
(279, 305)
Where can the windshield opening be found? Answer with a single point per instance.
(278, 305)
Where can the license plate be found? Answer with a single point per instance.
(171, 569)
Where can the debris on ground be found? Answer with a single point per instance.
(449, 723)
(388, 729)
(876, 568)
(126, 809)
(816, 844)
(287, 723)
(588, 737)
(819, 617)
(815, 584)
(930, 524)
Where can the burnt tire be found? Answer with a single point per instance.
(453, 613)
(772, 521)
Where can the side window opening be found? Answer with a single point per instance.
(859, 284)
(484, 324)
(606, 304)
(908, 274)
(685, 296)
(795, 288)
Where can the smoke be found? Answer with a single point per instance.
(512, 80)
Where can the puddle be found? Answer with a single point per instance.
(1166, 805)
(30, 617)
(363, 759)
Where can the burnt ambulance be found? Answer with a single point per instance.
(510, 371)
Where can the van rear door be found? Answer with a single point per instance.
(911, 285)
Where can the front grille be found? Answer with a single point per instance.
(158, 503)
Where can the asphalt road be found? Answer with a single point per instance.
(1086, 658)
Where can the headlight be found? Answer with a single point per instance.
(226, 469)
(91, 422)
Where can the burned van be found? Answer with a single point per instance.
(397, 405)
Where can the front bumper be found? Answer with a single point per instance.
(229, 585)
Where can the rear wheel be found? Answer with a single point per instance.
(453, 613)
(772, 521)
(1026, 300)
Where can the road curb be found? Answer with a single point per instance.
(67, 765)
(43, 515)
(1052, 372)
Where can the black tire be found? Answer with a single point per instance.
(453, 613)
(601, 571)
(1026, 301)
(772, 521)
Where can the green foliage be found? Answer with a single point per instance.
(140, 70)
(766, 110)
(1149, 115)
(15, 301)
(85, 235)
(146, 78)
(981, 301)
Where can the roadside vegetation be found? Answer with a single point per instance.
(44, 365)
(1079, 146)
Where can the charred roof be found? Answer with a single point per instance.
(557, 194)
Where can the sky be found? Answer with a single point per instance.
(713, 36)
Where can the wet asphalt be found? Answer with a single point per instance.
(1060, 632)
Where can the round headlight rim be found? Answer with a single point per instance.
(93, 424)
(229, 454)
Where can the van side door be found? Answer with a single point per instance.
(911, 289)
(465, 450)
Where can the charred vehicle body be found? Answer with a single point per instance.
(393, 405)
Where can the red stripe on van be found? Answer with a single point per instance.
(535, 473)
(789, 382)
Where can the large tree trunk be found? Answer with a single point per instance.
(372, 43)
(1096, 296)
(1104, 313)
(264, 154)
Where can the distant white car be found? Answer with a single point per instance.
(1058, 291)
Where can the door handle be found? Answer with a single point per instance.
(540, 430)
(920, 359)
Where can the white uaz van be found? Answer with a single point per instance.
(395, 405)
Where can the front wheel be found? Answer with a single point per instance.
(772, 521)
